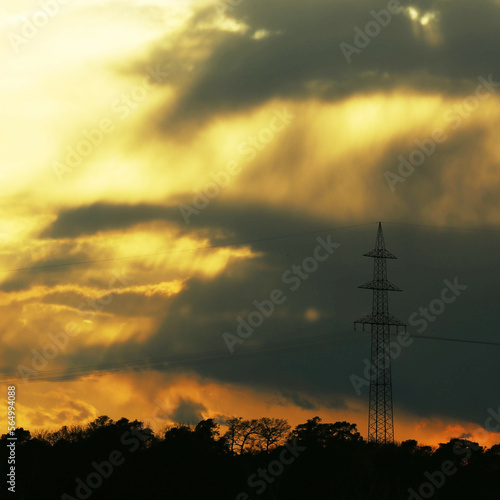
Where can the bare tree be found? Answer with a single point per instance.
(250, 435)
(242, 434)
(272, 432)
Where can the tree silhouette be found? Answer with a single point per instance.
(242, 434)
(257, 434)
(319, 460)
(315, 434)
(272, 432)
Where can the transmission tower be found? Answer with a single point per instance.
(380, 418)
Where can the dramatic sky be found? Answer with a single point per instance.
(118, 114)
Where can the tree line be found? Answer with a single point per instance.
(251, 459)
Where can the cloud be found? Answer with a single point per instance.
(188, 412)
(97, 217)
(194, 319)
(300, 401)
(227, 76)
(303, 58)
(235, 218)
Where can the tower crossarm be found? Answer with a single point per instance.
(380, 253)
(381, 284)
(381, 319)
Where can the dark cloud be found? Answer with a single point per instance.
(430, 377)
(244, 220)
(83, 411)
(303, 54)
(188, 412)
(429, 183)
(104, 217)
(299, 401)
(43, 272)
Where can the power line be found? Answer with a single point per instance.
(455, 228)
(204, 357)
(219, 355)
(483, 342)
(238, 243)
(222, 355)
(222, 245)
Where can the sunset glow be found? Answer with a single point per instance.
(164, 163)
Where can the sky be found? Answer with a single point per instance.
(169, 169)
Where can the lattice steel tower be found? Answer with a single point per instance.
(380, 419)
